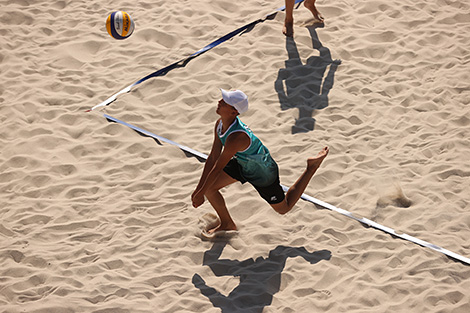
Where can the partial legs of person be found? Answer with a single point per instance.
(310, 4)
(288, 28)
(297, 189)
(217, 201)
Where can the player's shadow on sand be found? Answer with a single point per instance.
(304, 86)
(260, 279)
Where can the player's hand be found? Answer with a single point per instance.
(197, 199)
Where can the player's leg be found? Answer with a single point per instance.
(297, 189)
(217, 201)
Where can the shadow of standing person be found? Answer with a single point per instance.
(260, 279)
(304, 86)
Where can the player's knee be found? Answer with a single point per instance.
(281, 208)
(210, 192)
(282, 212)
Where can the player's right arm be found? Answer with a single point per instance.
(211, 159)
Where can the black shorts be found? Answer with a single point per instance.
(272, 194)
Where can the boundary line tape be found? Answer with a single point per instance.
(202, 157)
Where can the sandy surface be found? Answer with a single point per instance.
(95, 218)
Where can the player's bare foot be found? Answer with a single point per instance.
(313, 163)
(220, 227)
(310, 4)
(288, 29)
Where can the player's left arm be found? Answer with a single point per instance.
(235, 142)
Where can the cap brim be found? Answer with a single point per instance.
(225, 95)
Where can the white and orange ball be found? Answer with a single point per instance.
(120, 25)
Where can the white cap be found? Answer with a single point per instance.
(237, 99)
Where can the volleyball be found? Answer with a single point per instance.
(119, 25)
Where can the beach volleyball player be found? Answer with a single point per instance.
(238, 155)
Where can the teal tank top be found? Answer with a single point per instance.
(257, 165)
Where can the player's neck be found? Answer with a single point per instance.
(227, 121)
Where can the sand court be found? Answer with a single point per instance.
(95, 218)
